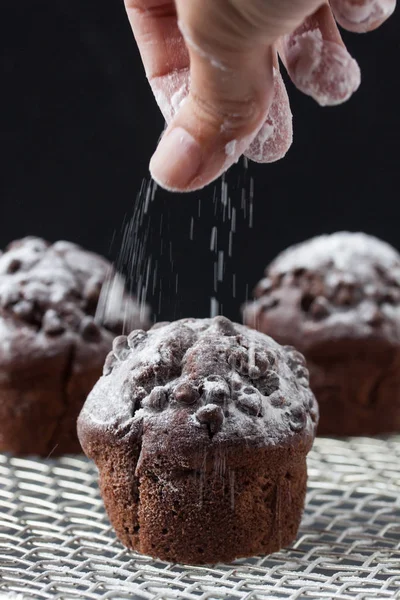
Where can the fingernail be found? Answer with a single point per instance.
(177, 160)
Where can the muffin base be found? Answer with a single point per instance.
(39, 406)
(357, 386)
(207, 515)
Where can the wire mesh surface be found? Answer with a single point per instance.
(56, 541)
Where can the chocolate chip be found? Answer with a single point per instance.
(249, 401)
(294, 357)
(120, 347)
(319, 309)
(224, 325)
(387, 298)
(212, 416)
(14, 265)
(345, 294)
(243, 342)
(306, 302)
(157, 399)
(316, 286)
(135, 338)
(25, 310)
(91, 292)
(277, 401)
(298, 419)
(260, 362)
(254, 372)
(276, 279)
(344, 297)
(264, 360)
(238, 359)
(267, 304)
(303, 375)
(299, 272)
(109, 363)
(172, 352)
(137, 395)
(249, 390)
(52, 324)
(310, 402)
(236, 383)
(90, 331)
(269, 384)
(213, 378)
(263, 287)
(375, 317)
(216, 390)
(10, 296)
(71, 316)
(314, 414)
(186, 393)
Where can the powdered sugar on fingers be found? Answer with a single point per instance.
(362, 15)
(276, 135)
(320, 68)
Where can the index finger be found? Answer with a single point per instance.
(155, 27)
(163, 51)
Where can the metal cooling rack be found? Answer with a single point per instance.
(56, 541)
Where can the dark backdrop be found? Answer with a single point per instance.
(78, 125)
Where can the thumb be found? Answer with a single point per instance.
(231, 88)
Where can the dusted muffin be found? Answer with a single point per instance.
(200, 430)
(336, 298)
(51, 347)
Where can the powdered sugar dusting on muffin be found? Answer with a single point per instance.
(222, 379)
(329, 287)
(56, 289)
(353, 253)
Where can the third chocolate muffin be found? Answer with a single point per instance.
(336, 298)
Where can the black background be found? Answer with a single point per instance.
(79, 124)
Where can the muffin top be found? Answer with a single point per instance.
(194, 384)
(55, 292)
(330, 287)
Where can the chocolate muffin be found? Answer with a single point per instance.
(52, 348)
(200, 430)
(336, 298)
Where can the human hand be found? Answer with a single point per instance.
(213, 68)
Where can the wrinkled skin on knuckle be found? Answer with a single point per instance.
(227, 115)
(231, 26)
(214, 24)
(274, 18)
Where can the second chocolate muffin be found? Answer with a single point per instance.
(52, 348)
(336, 298)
